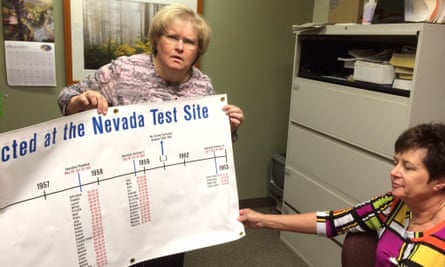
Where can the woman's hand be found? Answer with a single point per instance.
(236, 116)
(87, 100)
(250, 218)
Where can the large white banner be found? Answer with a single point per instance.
(144, 181)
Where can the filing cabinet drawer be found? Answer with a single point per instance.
(355, 172)
(305, 194)
(372, 120)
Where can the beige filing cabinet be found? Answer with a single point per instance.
(341, 132)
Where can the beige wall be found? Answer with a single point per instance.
(321, 8)
(250, 59)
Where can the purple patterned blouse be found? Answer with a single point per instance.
(132, 80)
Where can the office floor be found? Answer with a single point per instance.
(259, 248)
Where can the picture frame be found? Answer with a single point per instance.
(74, 32)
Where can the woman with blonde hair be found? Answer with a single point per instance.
(179, 37)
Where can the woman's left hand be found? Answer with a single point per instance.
(236, 116)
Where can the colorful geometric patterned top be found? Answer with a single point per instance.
(389, 217)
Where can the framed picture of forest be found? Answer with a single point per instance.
(97, 31)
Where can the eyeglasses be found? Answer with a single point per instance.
(174, 39)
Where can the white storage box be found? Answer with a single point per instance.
(379, 73)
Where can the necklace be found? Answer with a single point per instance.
(411, 220)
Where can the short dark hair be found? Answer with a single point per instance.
(429, 136)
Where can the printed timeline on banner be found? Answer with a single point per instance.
(141, 182)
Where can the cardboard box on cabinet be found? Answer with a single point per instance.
(345, 11)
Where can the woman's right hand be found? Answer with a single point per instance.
(87, 100)
(250, 218)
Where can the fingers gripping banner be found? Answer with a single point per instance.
(141, 182)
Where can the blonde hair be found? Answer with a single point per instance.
(168, 14)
